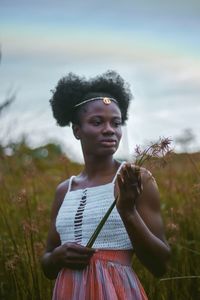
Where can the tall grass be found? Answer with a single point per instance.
(179, 184)
(27, 185)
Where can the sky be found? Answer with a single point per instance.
(154, 45)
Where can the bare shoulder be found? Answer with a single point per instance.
(60, 193)
(150, 194)
(147, 175)
(62, 189)
(148, 205)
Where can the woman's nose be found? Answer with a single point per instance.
(108, 129)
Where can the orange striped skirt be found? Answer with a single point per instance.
(109, 276)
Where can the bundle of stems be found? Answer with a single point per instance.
(157, 150)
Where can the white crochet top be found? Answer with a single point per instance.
(81, 212)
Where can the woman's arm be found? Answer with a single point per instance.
(140, 213)
(58, 256)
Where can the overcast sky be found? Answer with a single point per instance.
(154, 45)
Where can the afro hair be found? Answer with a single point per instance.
(73, 89)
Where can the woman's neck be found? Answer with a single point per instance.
(101, 166)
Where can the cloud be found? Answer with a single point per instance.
(159, 59)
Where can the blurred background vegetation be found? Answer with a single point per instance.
(28, 178)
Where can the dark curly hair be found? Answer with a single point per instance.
(73, 89)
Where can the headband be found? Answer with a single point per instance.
(106, 100)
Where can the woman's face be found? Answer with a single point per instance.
(100, 128)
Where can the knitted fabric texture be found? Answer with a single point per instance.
(79, 216)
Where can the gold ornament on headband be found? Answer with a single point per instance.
(106, 100)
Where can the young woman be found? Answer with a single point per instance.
(97, 109)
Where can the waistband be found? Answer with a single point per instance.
(123, 257)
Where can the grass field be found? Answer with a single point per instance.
(27, 184)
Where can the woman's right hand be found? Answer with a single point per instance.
(72, 255)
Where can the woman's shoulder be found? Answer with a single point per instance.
(150, 192)
(60, 193)
(62, 187)
(146, 175)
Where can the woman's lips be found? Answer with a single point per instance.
(108, 143)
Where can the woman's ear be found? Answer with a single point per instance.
(76, 131)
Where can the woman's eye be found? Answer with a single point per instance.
(96, 122)
(117, 124)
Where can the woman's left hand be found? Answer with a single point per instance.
(130, 187)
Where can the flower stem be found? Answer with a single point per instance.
(99, 227)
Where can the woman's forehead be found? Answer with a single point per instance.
(99, 106)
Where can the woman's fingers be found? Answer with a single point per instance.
(136, 178)
(120, 182)
(75, 254)
(80, 249)
(130, 187)
(130, 178)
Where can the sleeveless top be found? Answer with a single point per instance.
(81, 212)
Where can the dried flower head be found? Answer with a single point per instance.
(30, 226)
(156, 151)
(12, 263)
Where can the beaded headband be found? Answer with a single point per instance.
(106, 100)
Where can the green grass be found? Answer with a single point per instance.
(27, 186)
